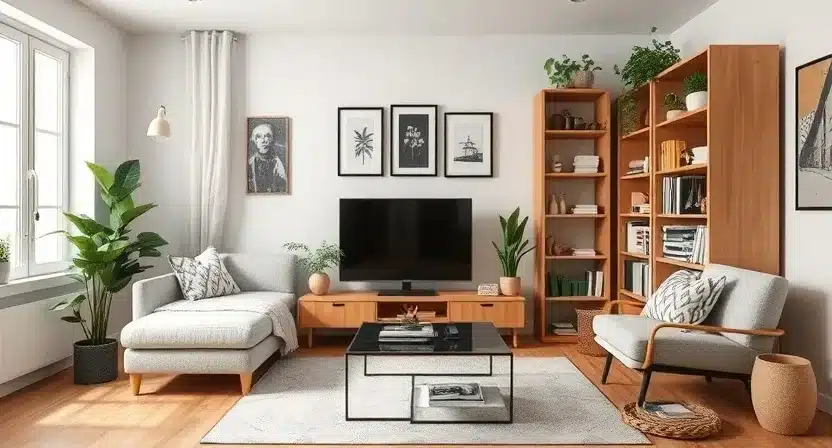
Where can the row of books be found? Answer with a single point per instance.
(637, 278)
(670, 154)
(591, 286)
(586, 164)
(563, 329)
(683, 195)
(685, 243)
(638, 237)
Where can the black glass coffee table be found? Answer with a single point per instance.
(388, 381)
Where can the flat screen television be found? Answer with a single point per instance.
(405, 239)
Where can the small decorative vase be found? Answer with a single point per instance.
(94, 364)
(557, 166)
(319, 283)
(784, 393)
(5, 268)
(673, 114)
(696, 100)
(510, 286)
(583, 79)
(554, 208)
(562, 204)
(557, 122)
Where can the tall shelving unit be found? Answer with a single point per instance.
(576, 230)
(740, 125)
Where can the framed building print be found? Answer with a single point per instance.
(360, 141)
(267, 157)
(469, 144)
(413, 140)
(813, 129)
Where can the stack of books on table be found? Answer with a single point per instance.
(404, 334)
(564, 329)
(685, 243)
(638, 237)
(585, 209)
(455, 394)
(586, 164)
(584, 252)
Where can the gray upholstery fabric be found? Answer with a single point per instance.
(200, 360)
(750, 300)
(204, 329)
(262, 272)
(154, 292)
(673, 346)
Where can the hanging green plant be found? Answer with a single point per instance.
(647, 62)
(628, 113)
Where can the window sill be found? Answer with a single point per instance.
(31, 284)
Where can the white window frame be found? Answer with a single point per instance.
(26, 235)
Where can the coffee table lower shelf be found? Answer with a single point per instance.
(493, 409)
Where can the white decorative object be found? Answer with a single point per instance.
(647, 164)
(696, 100)
(674, 114)
(159, 128)
(700, 155)
(204, 276)
(488, 289)
(4, 272)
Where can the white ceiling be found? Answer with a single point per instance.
(442, 17)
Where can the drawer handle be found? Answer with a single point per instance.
(486, 305)
(337, 304)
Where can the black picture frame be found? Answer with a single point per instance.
(394, 147)
(798, 154)
(381, 141)
(449, 152)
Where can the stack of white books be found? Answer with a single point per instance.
(584, 252)
(406, 334)
(564, 328)
(586, 164)
(585, 209)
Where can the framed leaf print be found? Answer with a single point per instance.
(414, 140)
(360, 141)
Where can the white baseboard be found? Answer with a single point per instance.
(825, 403)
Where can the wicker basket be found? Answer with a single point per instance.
(586, 338)
(704, 423)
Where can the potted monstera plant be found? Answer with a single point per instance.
(107, 259)
(511, 251)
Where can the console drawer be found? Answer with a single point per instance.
(335, 314)
(502, 314)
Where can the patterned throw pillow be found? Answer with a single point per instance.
(204, 276)
(684, 298)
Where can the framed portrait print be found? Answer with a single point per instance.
(360, 141)
(469, 144)
(813, 130)
(267, 158)
(413, 140)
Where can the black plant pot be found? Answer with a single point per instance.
(95, 363)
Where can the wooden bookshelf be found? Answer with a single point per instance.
(579, 231)
(741, 128)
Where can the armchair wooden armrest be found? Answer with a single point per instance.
(649, 355)
(612, 303)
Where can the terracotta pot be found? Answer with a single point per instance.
(696, 100)
(510, 286)
(583, 79)
(319, 283)
(673, 114)
(784, 393)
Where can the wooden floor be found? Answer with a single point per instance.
(176, 411)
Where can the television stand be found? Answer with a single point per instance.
(406, 290)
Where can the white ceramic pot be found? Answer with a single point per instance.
(5, 267)
(510, 286)
(673, 114)
(696, 100)
(319, 283)
(583, 79)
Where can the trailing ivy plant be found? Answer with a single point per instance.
(696, 82)
(674, 102)
(325, 257)
(647, 62)
(628, 113)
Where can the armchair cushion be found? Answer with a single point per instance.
(626, 336)
(684, 298)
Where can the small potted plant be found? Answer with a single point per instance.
(512, 251)
(560, 72)
(647, 62)
(585, 77)
(673, 105)
(696, 91)
(315, 263)
(5, 253)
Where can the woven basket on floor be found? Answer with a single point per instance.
(704, 423)
(586, 337)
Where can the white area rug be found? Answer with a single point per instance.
(301, 401)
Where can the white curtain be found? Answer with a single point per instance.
(209, 88)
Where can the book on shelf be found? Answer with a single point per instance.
(683, 195)
(563, 328)
(637, 278)
(585, 209)
(671, 154)
(687, 243)
(449, 392)
(561, 286)
(584, 252)
(638, 237)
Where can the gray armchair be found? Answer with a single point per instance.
(740, 327)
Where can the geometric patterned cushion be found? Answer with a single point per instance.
(684, 298)
(204, 276)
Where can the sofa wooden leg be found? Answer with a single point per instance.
(607, 365)
(645, 382)
(135, 382)
(245, 382)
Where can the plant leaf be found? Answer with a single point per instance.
(60, 306)
(130, 214)
(102, 176)
(87, 225)
(72, 319)
(150, 239)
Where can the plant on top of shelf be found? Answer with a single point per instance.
(315, 263)
(585, 77)
(512, 251)
(647, 62)
(560, 72)
(696, 90)
(674, 105)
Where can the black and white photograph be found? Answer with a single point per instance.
(360, 141)
(414, 140)
(267, 159)
(814, 135)
(469, 148)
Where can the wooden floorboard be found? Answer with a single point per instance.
(176, 411)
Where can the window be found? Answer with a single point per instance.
(34, 78)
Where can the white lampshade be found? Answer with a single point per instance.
(159, 128)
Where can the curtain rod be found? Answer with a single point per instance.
(184, 35)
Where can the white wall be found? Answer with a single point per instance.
(307, 78)
(802, 27)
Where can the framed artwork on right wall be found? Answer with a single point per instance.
(813, 131)
(469, 144)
